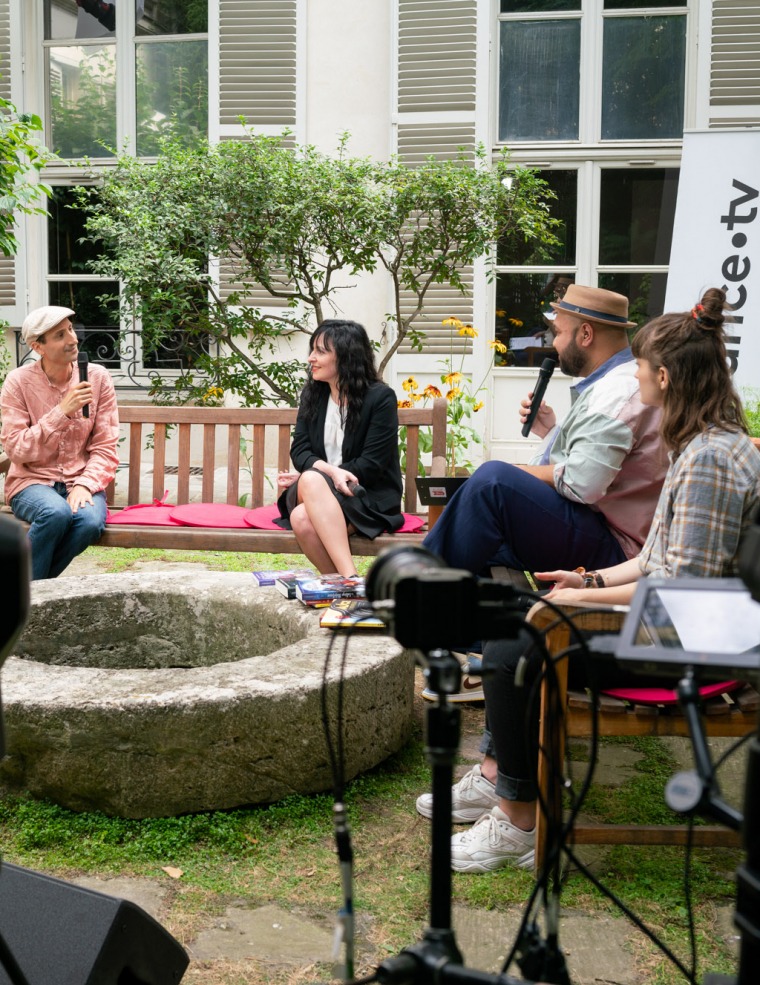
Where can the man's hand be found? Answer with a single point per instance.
(544, 420)
(79, 496)
(76, 398)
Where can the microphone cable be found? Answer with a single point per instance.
(344, 929)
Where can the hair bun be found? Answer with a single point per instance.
(709, 312)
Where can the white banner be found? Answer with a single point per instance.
(716, 237)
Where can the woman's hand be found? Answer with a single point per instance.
(340, 477)
(560, 579)
(571, 595)
(287, 479)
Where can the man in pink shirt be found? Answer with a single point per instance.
(61, 461)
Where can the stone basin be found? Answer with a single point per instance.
(155, 694)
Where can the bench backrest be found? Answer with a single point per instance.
(252, 424)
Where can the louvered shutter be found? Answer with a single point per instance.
(7, 266)
(735, 64)
(257, 81)
(437, 52)
(257, 62)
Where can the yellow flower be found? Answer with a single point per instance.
(416, 397)
(405, 404)
(498, 346)
(500, 312)
(478, 406)
(453, 393)
(469, 331)
(516, 322)
(431, 391)
(453, 322)
(452, 378)
(409, 384)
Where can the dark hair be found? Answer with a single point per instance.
(691, 346)
(356, 368)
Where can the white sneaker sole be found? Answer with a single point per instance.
(525, 861)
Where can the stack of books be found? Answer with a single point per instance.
(272, 577)
(323, 590)
(350, 614)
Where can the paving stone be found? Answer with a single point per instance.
(267, 933)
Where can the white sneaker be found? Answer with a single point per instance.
(471, 689)
(471, 798)
(492, 843)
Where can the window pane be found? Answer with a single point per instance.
(539, 6)
(516, 252)
(67, 253)
(172, 92)
(539, 80)
(83, 19)
(83, 100)
(637, 213)
(170, 17)
(644, 64)
(95, 321)
(638, 4)
(522, 300)
(645, 293)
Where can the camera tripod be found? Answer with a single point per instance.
(436, 958)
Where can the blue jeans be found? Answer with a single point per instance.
(505, 516)
(56, 535)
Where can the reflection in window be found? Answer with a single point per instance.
(539, 80)
(78, 19)
(96, 321)
(69, 252)
(645, 293)
(172, 92)
(637, 214)
(514, 251)
(170, 17)
(644, 68)
(522, 302)
(82, 100)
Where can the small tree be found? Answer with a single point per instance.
(21, 159)
(289, 221)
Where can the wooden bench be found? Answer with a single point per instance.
(214, 429)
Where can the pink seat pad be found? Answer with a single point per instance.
(263, 517)
(150, 514)
(665, 696)
(210, 515)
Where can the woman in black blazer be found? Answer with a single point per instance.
(345, 451)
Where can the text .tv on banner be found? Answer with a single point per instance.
(716, 238)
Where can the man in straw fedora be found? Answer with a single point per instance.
(592, 491)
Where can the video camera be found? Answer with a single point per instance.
(427, 605)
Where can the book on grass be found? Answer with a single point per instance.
(270, 577)
(313, 591)
(350, 614)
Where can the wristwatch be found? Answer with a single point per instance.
(592, 579)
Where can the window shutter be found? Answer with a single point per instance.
(257, 62)
(436, 73)
(7, 266)
(735, 63)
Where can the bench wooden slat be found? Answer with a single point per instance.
(233, 463)
(159, 461)
(209, 460)
(257, 464)
(135, 451)
(183, 464)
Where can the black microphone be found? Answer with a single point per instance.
(82, 363)
(544, 375)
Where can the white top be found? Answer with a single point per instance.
(333, 433)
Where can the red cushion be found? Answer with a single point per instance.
(153, 514)
(262, 518)
(664, 696)
(210, 515)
